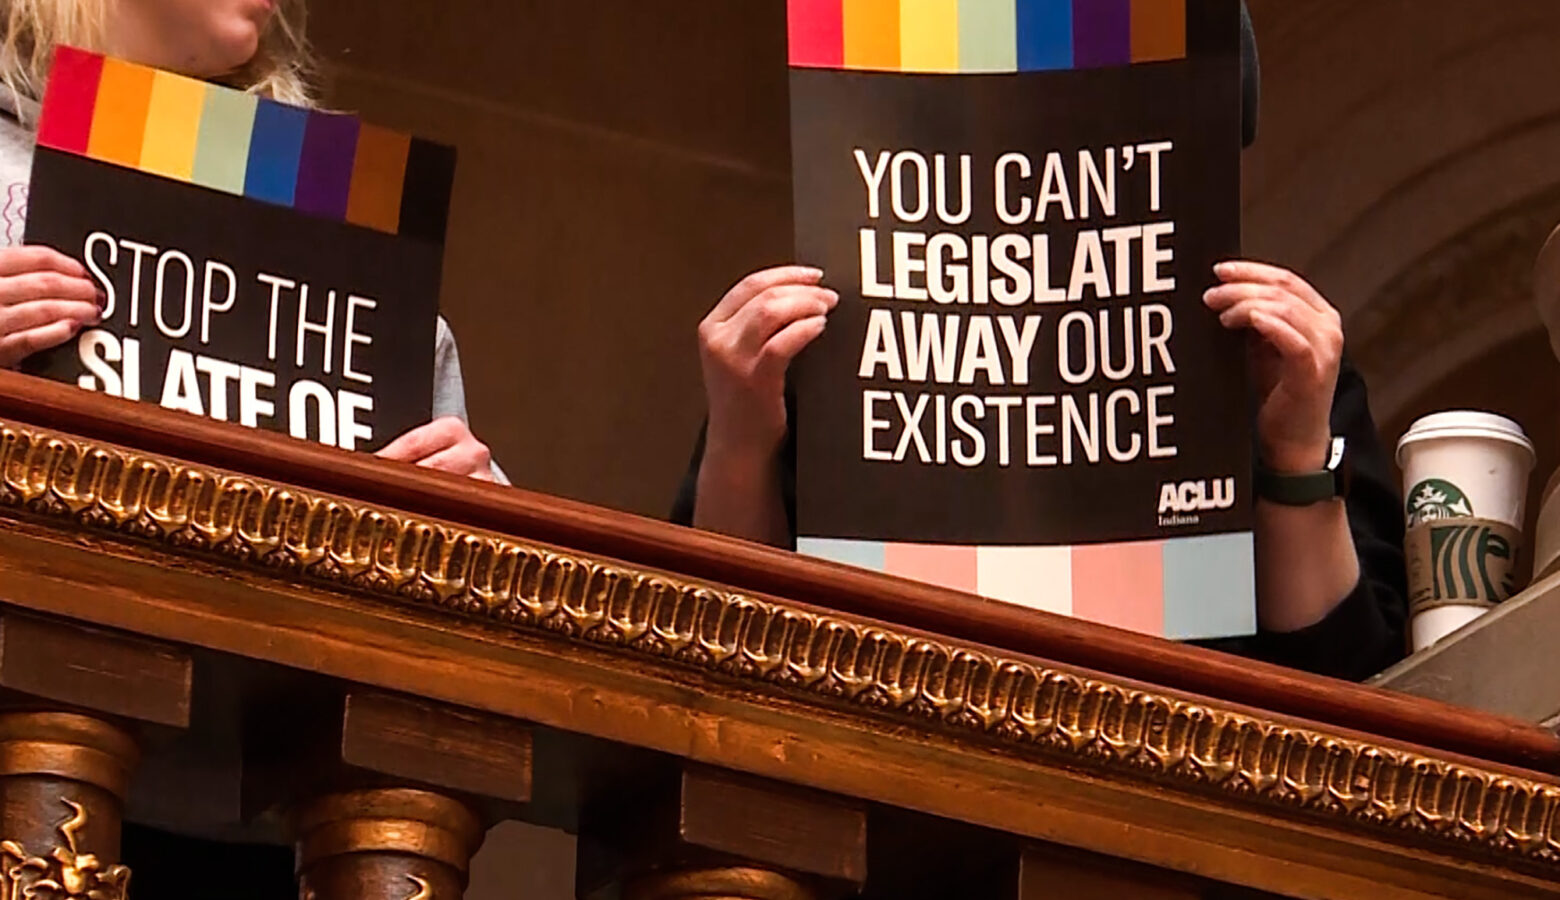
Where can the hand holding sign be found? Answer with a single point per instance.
(1295, 360)
(746, 344)
(45, 299)
(445, 444)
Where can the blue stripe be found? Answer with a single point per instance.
(1045, 35)
(862, 554)
(274, 151)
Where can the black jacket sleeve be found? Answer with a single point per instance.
(1366, 633)
(1362, 636)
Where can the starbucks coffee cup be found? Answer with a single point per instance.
(1465, 477)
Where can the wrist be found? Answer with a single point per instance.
(1296, 458)
(730, 461)
(1306, 487)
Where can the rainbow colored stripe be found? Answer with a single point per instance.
(1183, 588)
(984, 36)
(328, 165)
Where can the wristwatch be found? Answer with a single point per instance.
(1307, 488)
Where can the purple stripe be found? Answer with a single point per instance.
(325, 172)
(1102, 33)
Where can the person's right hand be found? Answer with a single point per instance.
(45, 299)
(746, 344)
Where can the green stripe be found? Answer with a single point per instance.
(988, 36)
(222, 152)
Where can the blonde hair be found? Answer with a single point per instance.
(280, 69)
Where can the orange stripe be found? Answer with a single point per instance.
(954, 567)
(872, 34)
(1121, 585)
(119, 123)
(378, 177)
(1158, 30)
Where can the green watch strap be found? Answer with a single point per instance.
(1306, 488)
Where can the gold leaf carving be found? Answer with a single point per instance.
(1021, 706)
(65, 874)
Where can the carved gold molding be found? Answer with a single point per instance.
(1022, 706)
(64, 874)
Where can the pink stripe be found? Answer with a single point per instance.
(1121, 585)
(946, 566)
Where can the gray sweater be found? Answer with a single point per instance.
(16, 154)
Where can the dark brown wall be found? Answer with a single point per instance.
(622, 162)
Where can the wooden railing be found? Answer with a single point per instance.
(225, 632)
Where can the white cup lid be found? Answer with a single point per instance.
(1465, 424)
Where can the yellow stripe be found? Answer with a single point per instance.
(929, 35)
(173, 126)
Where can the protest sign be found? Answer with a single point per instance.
(262, 263)
(1021, 393)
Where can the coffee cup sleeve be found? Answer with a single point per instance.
(1461, 561)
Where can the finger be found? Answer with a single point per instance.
(1261, 273)
(1226, 296)
(19, 345)
(1300, 317)
(757, 283)
(1276, 332)
(468, 458)
(37, 313)
(46, 286)
(423, 441)
(777, 309)
(1281, 336)
(784, 347)
(38, 258)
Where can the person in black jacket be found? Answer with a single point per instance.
(1331, 584)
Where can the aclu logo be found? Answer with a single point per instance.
(1179, 504)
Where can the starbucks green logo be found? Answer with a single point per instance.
(1434, 499)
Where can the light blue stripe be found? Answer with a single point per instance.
(1210, 587)
(862, 554)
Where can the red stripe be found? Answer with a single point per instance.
(817, 29)
(69, 100)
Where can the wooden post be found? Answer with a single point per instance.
(64, 774)
(732, 883)
(384, 822)
(63, 779)
(734, 838)
(392, 844)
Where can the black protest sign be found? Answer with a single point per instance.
(1021, 233)
(262, 264)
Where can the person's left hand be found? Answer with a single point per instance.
(1297, 348)
(445, 444)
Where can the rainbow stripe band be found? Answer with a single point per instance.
(984, 36)
(327, 165)
(1182, 588)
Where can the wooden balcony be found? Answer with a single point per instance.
(226, 633)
